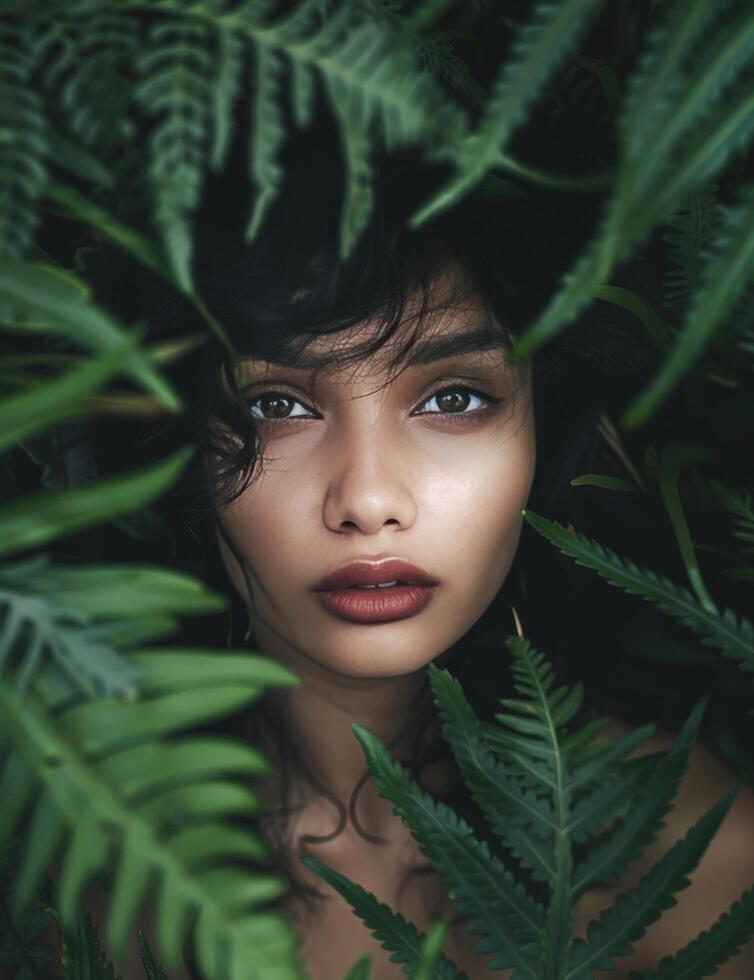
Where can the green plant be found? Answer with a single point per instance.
(92, 708)
(573, 810)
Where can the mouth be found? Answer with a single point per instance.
(377, 604)
(385, 574)
(376, 590)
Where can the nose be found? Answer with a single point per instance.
(370, 483)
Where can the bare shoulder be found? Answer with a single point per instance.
(725, 871)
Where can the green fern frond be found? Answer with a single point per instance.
(725, 278)
(703, 955)
(657, 84)
(540, 46)
(22, 955)
(36, 297)
(47, 515)
(84, 958)
(86, 52)
(437, 55)
(24, 415)
(152, 968)
(523, 820)
(734, 636)
(267, 132)
(23, 161)
(738, 502)
(80, 618)
(103, 765)
(498, 908)
(610, 858)
(613, 933)
(696, 222)
(174, 72)
(389, 928)
(225, 86)
(698, 98)
(643, 195)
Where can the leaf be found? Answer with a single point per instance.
(23, 161)
(360, 969)
(84, 957)
(47, 515)
(725, 278)
(268, 134)
(603, 481)
(73, 205)
(152, 967)
(42, 298)
(29, 412)
(113, 591)
(173, 75)
(540, 46)
(499, 908)
(390, 929)
(98, 798)
(610, 858)
(703, 955)
(626, 921)
(722, 630)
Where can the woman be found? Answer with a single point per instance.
(363, 471)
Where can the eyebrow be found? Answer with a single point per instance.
(483, 337)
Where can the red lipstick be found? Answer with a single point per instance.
(340, 594)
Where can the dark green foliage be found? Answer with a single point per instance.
(84, 957)
(112, 116)
(733, 635)
(574, 811)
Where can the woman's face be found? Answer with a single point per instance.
(418, 469)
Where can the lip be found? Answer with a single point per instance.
(372, 572)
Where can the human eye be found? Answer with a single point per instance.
(456, 412)
(275, 402)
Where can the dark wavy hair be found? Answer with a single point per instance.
(274, 295)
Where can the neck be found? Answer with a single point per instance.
(316, 717)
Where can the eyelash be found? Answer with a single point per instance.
(453, 416)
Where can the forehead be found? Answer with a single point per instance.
(449, 326)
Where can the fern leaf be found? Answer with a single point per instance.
(703, 955)
(360, 969)
(65, 636)
(22, 955)
(499, 909)
(37, 297)
(113, 591)
(696, 222)
(84, 957)
(658, 84)
(738, 502)
(609, 859)
(724, 280)
(152, 968)
(541, 45)
(515, 813)
(609, 801)
(102, 788)
(696, 99)
(25, 414)
(735, 638)
(390, 929)
(23, 164)
(225, 89)
(267, 134)
(46, 515)
(621, 925)
(174, 71)
(88, 74)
